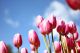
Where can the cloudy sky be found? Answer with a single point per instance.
(17, 16)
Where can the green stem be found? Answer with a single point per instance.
(45, 41)
(36, 50)
(49, 44)
(52, 37)
(60, 39)
(53, 41)
(18, 49)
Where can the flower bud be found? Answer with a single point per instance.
(3, 47)
(33, 38)
(70, 43)
(24, 50)
(45, 27)
(62, 28)
(72, 27)
(52, 20)
(39, 19)
(17, 40)
(57, 46)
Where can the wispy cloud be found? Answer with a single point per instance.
(61, 10)
(8, 20)
(12, 23)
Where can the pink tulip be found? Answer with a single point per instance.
(61, 27)
(57, 46)
(39, 19)
(17, 40)
(24, 50)
(70, 43)
(45, 27)
(52, 20)
(45, 51)
(74, 4)
(33, 38)
(72, 27)
(3, 47)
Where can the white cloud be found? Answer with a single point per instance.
(61, 10)
(9, 20)
(12, 23)
(58, 9)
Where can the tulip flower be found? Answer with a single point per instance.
(38, 20)
(24, 50)
(17, 40)
(57, 46)
(70, 43)
(61, 27)
(3, 47)
(45, 27)
(74, 4)
(72, 27)
(52, 20)
(33, 38)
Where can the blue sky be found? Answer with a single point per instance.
(17, 16)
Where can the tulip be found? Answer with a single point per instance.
(57, 46)
(72, 27)
(45, 27)
(52, 20)
(24, 50)
(39, 19)
(61, 27)
(17, 40)
(70, 43)
(33, 38)
(3, 47)
(74, 4)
